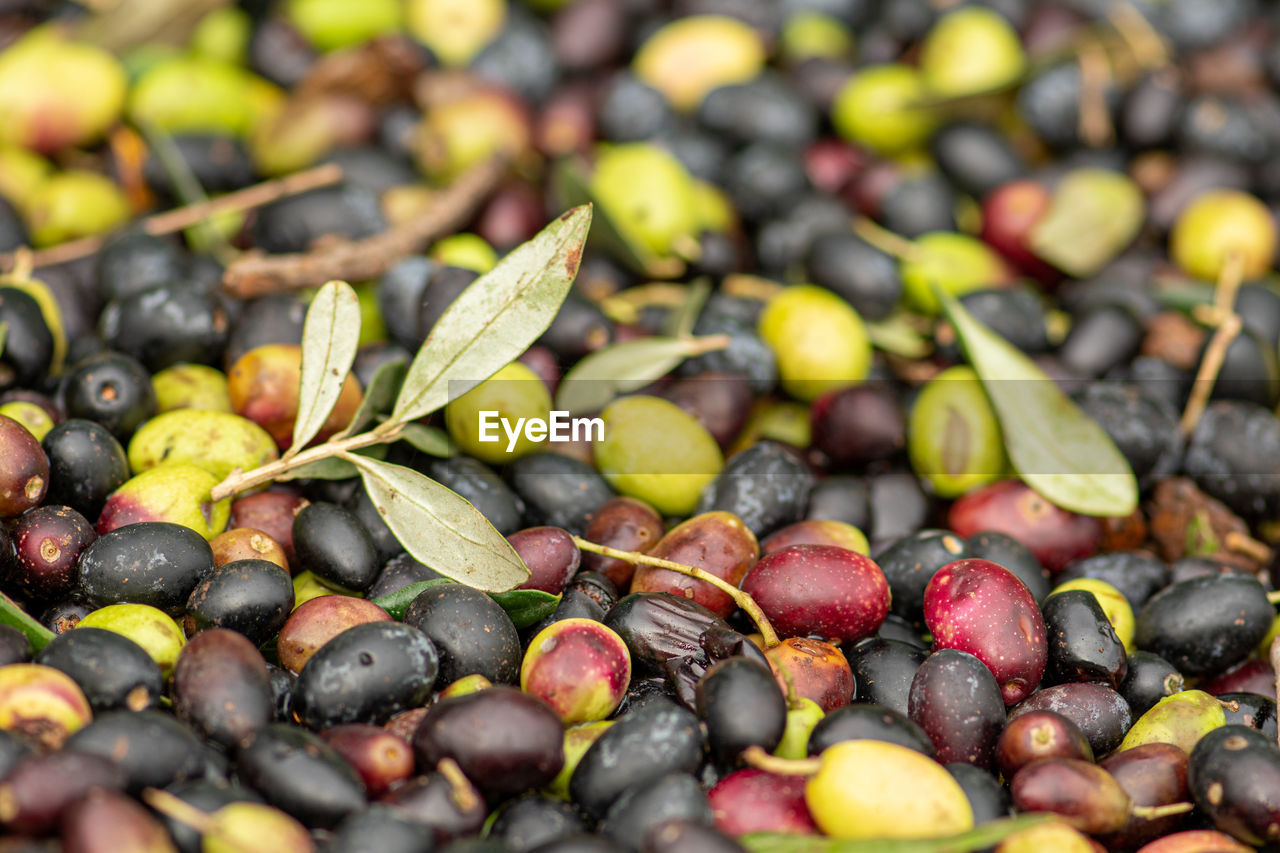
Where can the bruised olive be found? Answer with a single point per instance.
(221, 687)
(636, 751)
(958, 703)
(505, 741)
(152, 562)
(298, 773)
(252, 597)
(365, 674)
(471, 633)
(112, 670)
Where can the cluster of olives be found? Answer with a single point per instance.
(797, 585)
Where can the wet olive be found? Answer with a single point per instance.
(911, 562)
(252, 597)
(331, 542)
(471, 633)
(558, 490)
(1083, 645)
(153, 748)
(221, 687)
(659, 626)
(300, 774)
(152, 562)
(724, 691)
(1204, 625)
(1232, 774)
(111, 389)
(113, 671)
(628, 525)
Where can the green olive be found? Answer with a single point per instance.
(957, 263)
(147, 626)
(331, 24)
(970, 51)
(75, 204)
(819, 340)
(689, 57)
(1217, 224)
(191, 386)
(878, 108)
(490, 422)
(953, 436)
(655, 451)
(647, 193)
(218, 442)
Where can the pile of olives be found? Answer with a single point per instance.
(802, 582)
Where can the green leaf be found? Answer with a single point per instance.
(1093, 216)
(1056, 448)
(14, 616)
(681, 321)
(526, 606)
(330, 337)
(621, 368)
(430, 440)
(384, 385)
(981, 837)
(496, 318)
(396, 603)
(570, 182)
(440, 528)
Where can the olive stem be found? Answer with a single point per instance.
(1095, 73)
(187, 216)
(1155, 812)
(237, 481)
(885, 240)
(461, 791)
(178, 809)
(1224, 299)
(793, 700)
(757, 757)
(746, 602)
(1274, 597)
(1242, 543)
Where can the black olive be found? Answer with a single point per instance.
(152, 562)
(113, 671)
(471, 633)
(253, 597)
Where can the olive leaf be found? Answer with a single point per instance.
(525, 606)
(1055, 447)
(681, 321)
(621, 368)
(396, 603)
(330, 337)
(981, 837)
(1093, 216)
(496, 318)
(430, 440)
(384, 385)
(440, 528)
(12, 615)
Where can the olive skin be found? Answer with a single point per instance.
(1154, 774)
(1137, 574)
(1083, 645)
(628, 525)
(150, 562)
(471, 633)
(722, 694)
(450, 808)
(821, 590)
(1100, 712)
(716, 542)
(659, 626)
(252, 597)
(1036, 735)
(1234, 776)
(170, 324)
(487, 492)
(113, 671)
(86, 464)
(637, 750)
(987, 797)
(869, 722)
(300, 774)
(1206, 624)
(505, 741)
(528, 822)
(558, 490)
(153, 748)
(221, 687)
(24, 469)
(112, 389)
(882, 671)
(957, 702)
(331, 542)
(366, 674)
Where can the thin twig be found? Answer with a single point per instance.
(1224, 300)
(179, 809)
(1095, 117)
(461, 790)
(364, 260)
(885, 240)
(757, 757)
(192, 214)
(1154, 812)
(742, 599)
(237, 481)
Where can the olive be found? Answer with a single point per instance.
(221, 687)
(819, 340)
(1037, 735)
(272, 513)
(48, 541)
(726, 689)
(314, 623)
(382, 758)
(883, 670)
(151, 562)
(534, 820)
(1097, 710)
(641, 811)
(473, 480)
(975, 157)
(987, 797)
(365, 674)
(626, 524)
(382, 828)
(1083, 645)
(39, 789)
(868, 722)
(1136, 574)
(820, 589)
(911, 562)
(399, 572)
(766, 486)
(752, 800)
(153, 748)
(107, 820)
(252, 597)
(111, 389)
(29, 347)
(1152, 775)
(170, 324)
(658, 627)
(715, 542)
(958, 703)
(559, 490)
(331, 542)
(113, 671)
(1219, 619)
(470, 631)
(300, 774)
(450, 807)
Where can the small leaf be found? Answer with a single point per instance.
(681, 321)
(496, 318)
(621, 368)
(396, 603)
(526, 606)
(330, 336)
(14, 616)
(440, 528)
(1056, 448)
(981, 837)
(430, 440)
(1093, 216)
(384, 385)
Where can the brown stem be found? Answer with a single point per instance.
(1275, 665)
(364, 260)
(1242, 543)
(1154, 812)
(1224, 299)
(746, 602)
(1095, 118)
(885, 240)
(237, 481)
(750, 287)
(192, 214)
(1147, 46)
(755, 756)
(461, 790)
(178, 809)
